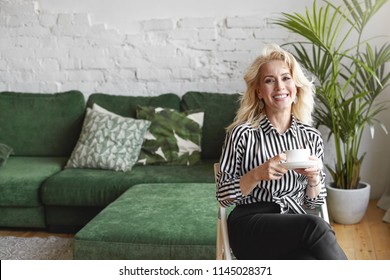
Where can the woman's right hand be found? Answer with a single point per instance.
(271, 169)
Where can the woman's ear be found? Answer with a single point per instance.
(296, 96)
(258, 93)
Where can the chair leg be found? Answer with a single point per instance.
(224, 231)
(219, 247)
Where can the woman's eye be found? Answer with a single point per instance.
(268, 81)
(286, 78)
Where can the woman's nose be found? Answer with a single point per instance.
(279, 84)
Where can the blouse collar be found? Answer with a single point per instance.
(267, 126)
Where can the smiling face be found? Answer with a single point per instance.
(276, 87)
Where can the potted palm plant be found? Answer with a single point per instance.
(350, 77)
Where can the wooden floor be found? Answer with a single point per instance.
(368, 240)
(32, 233)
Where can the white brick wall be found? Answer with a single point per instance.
(48, 52)
(43, 51)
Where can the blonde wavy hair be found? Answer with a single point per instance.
(250, 109)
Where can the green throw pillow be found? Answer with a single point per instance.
(5, 152)
(108, 142)
(174, 138)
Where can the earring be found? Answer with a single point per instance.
(261, 104)
(295, 99)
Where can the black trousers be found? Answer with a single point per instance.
(259, 231)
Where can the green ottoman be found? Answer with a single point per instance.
(153, 221)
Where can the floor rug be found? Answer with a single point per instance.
(35, 248)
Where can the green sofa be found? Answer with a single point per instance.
(36, 191)
(42, 130)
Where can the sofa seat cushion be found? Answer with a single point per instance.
(89, 187)
(154, 221)
(25, 217)
(22, 177)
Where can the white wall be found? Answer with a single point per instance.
(124, 15)
(146, 47)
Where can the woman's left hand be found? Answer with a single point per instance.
(312, 173)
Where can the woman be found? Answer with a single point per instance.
(269, 220)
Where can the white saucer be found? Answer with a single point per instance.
(302, 164)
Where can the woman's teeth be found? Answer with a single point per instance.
(280, 96)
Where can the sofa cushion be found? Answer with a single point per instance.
(98, 188)
(24, 122)
(108, 141)
(173, 137)
(153, 221)
(22, 177)
(25, 217)
(220, 110)
(5, 152)
(127, 105)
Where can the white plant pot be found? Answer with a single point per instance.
(348, 206)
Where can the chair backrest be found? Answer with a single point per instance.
(223, 246)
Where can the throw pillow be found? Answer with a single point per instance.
(5, 152)
(100, 109)
(173, 138)
(108, 142)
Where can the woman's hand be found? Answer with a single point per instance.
(312, 173)
(269, 170)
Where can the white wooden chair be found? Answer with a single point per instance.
(223, 246)
(223, 250)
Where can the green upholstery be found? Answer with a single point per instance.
(41, 124)
(24, 217)
(126, 106)
(219, 110)
(90, 187)
(95, 189)
(153, 221)
(20, 182)
(150, 212)
(22, 177)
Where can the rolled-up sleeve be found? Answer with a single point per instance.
(228, 177)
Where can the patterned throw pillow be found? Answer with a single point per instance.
(173, 138)
(108, 142)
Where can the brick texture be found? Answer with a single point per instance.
(46, 52)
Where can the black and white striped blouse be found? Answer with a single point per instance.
(247, 147)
